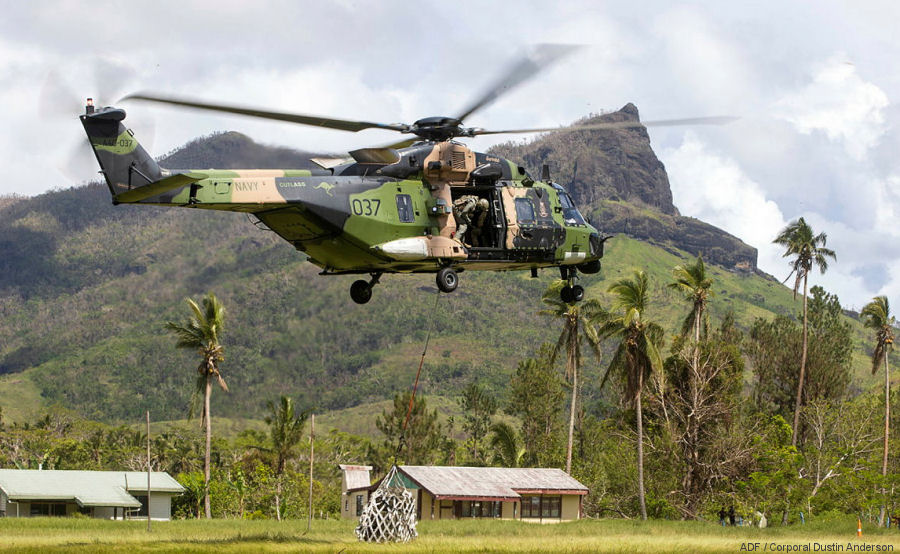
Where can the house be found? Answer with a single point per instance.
(97, 494)
(355, 486)
(543, 495)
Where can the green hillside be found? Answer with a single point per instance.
(93, 340)
(86, 287)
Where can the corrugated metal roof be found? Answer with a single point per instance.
(490, 482)
(356, 477)
(88, 488)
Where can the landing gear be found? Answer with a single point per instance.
(447, 279)
(361, 291)
(571, 293)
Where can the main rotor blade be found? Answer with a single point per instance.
(312, 120)
(714, 120)
(543, 56)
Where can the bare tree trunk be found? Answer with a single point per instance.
(572, 418)
(572, 368)
(206, 506)
(278, 498)
(640, 446)
(887, 428)
(802, 372)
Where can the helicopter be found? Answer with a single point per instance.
(388, 209)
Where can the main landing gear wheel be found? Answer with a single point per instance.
(571, 293)
(361, 291)
(447, 279)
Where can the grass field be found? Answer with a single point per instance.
(79, 535)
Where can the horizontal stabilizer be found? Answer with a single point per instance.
(164, 185)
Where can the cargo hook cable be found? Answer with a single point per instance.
(412, 397)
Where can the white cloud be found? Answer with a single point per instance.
(714, 188)
(839, 103)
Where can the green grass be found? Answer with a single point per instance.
(79, 535)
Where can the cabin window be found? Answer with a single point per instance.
(405, 208)
(524, 211)
(570, 212)
(359, 505)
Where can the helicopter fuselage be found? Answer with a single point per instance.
(383, 210)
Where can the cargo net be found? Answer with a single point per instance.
(390, 514)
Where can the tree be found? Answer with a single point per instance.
(535, 396)
(704, 385)
(202, 333)
(807, 250)
(774, 349)
(286, 432)
(877, 316)
(695, 285)
(506, 446)
(419, 441)
(637, 354)
(578, 321)
(478, 407)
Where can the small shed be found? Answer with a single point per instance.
(97, 494)
(355, 491)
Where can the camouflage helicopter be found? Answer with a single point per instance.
(384, 209)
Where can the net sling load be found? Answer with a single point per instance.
(390, 514)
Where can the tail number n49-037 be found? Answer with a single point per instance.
(365, 207)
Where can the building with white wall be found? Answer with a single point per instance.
(543, 495)
(97, 494)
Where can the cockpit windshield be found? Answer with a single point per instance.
(571, 214)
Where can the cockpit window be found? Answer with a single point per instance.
(570, 212)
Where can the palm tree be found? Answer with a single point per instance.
(201, 333)
(577, 322)
(505, 444)
(286, 431)
(637, 354)
(877, 315)
(808, 250)
(695, 285)
(693, 282)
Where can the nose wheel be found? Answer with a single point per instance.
(361, 290)
(571, 293)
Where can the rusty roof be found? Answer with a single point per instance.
(355, 476)
(491, 482)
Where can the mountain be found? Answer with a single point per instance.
(86, 287)
(617, 180)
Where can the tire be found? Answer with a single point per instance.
(360, 291)
(567, 294)
(447, 279)
(577, 293)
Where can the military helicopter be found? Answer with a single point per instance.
(383, 209)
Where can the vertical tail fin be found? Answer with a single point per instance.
(124, 162)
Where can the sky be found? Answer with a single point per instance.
(815, 85)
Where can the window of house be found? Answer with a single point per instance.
(359, 505)
(524, 211)
(541, 506)
(479, 508)
(47, 509)
(142, 511)
(550, 506)
(347, 505)
(405, 208)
